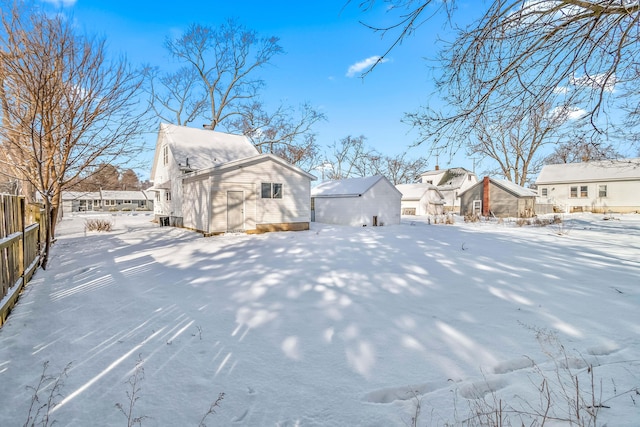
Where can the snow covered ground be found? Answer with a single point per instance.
(336, 326)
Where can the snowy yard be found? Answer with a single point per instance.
(336, 326)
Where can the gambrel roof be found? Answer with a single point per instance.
(349, 187)
(595, 171)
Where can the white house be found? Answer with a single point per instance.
(180, 150)
(215, 182)
(421, 199)
(371, 201)
(106, 201)
(597, 186)
(450, 182)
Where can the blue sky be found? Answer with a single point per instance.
(323, 41)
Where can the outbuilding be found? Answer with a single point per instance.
(499, 198)
(368, 201)
(421, 199)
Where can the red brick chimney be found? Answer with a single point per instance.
(437, 167)
(485, 196)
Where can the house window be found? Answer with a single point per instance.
(109, 202)
(167, 195)
(583, 191)
(157, 196)
(544, 191)
(574, 191)
(142, 203)
(165, 154)
(271, 190)
(602, 191)
(127, 202)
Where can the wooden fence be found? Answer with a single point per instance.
(22, 236)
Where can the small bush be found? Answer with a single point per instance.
(98, 225)
(471, 218)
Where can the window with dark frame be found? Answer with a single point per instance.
(266, 190)
(271, 190)
(544, 191)
(574, 191)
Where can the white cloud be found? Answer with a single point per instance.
(363, 65)
(598, 81)
(565, 113)
(61, 3)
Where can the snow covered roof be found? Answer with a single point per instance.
(509, 186)
(349, 187)
(125, 195)
(202, 148)
(106, 194)
(415, 191)
(603, 170)
(252, 160)
(514, 188)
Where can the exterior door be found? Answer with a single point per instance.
(235, 211)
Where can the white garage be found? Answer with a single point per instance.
(368, 201)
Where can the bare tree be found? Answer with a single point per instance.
(350, 158)
(565, 54)
(401, 170)
(514, 143)
(65, 107)
(286, 132)
(175, 97)
(582, 148)
(218, 80)
(225, 59)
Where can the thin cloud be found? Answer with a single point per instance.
(358, 67)
(60, 3)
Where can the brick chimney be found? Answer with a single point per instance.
(485, 196)
(437, 167)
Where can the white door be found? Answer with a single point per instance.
(235, 211)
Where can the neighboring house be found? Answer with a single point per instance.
(597, 186)
(106, 201)
(214, 182)
(450, 182)
(365, 201)
(499, 198)
(421, 199)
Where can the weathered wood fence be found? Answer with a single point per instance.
(22, 236)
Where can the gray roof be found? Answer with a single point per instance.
(349, 187)
(602, 170)
(203, 148)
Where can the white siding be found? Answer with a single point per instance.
(622, 196)
(382, 200)
(207, 205)
(195, 197)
